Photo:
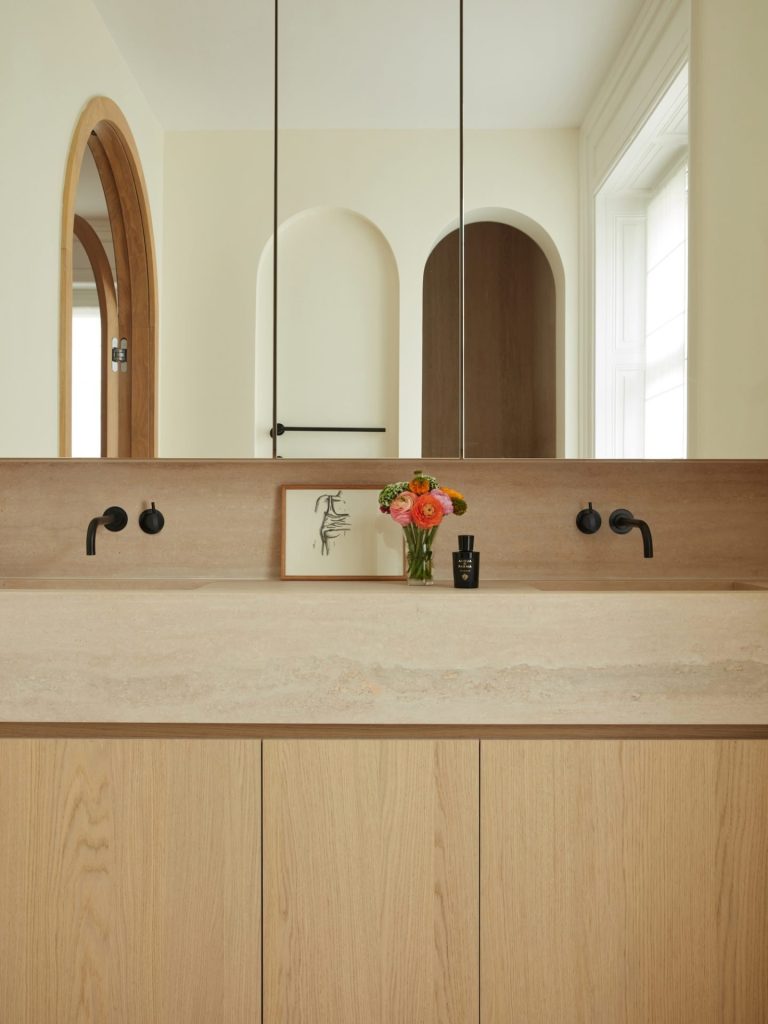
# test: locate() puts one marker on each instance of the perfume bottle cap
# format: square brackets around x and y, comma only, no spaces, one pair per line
[466,542]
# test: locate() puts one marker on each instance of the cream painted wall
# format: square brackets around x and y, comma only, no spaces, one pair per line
[218,223]
[54,56]
[728,355]
[339,320]
[217,220]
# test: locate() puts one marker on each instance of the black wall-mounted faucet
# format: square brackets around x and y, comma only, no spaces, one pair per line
[114,519]
[622,521]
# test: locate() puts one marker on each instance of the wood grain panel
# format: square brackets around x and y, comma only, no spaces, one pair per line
[129,881]
[256,730]
[370,881]
[521,512]
[441,352]
[624,881]
[509,347]
[119,388]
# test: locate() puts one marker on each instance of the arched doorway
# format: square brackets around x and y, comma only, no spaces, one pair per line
[128,381]
[510,343]
[338,338]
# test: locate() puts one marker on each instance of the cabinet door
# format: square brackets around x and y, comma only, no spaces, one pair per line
[370,882]
[129,881]
[624,882]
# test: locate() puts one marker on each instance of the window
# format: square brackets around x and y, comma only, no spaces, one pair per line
[641,291]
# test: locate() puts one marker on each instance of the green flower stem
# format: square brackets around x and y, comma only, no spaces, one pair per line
[419,544]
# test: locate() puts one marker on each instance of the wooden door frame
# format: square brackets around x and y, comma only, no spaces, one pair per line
[103,128]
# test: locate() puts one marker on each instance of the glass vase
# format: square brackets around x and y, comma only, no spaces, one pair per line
[418,544]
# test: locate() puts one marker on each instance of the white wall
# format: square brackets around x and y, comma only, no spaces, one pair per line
[54,56]
[217,220]
[728,353]
[218,223]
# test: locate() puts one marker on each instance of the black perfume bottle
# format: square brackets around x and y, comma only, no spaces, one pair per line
[466,563]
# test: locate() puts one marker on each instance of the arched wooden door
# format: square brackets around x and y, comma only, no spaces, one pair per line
[129,412]
[509,347]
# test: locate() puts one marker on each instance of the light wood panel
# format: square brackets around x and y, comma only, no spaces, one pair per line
[370,881]
[624,882]
[256,730]
[521,512]
[120,384]
[129,881]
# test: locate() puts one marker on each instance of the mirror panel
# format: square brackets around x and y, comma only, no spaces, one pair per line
[531,77]
[368,183]
[217,109]
[368,199]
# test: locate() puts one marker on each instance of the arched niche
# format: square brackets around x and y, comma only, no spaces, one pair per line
[513,341]
[103,129]
[337,337]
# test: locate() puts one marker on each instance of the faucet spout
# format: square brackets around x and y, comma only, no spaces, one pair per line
[114,519]
[90,536]
[622,521]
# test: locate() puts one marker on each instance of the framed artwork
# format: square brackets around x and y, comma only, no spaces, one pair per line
[338,533]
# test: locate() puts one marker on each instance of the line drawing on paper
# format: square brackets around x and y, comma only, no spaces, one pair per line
[335,522]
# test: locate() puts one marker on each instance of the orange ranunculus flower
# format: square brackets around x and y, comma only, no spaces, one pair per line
[427,512]
[452,494]
[419,485]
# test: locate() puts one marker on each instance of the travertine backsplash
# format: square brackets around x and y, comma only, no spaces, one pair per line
[709,519]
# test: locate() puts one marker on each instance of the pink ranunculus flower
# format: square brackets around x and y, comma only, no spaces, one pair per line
[444,500]
[401,508]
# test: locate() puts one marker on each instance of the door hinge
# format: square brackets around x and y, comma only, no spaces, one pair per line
[120,355]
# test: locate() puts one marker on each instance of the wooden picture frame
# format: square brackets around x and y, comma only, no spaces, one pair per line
[336,532]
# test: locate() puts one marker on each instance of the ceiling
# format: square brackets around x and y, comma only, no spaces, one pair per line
[360,64]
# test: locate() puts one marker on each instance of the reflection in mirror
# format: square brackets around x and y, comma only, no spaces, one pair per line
[368,182]
[531,71]
[338,336]
[94,314]
[555,93]
[105,194]
[641,250]
[509,347]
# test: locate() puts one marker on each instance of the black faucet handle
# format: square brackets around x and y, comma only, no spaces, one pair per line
[589,520]
[152,520]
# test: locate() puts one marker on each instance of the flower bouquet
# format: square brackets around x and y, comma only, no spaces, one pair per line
[419,506]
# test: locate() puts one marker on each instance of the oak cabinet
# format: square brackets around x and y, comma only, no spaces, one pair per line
[438,881]
[624,882]
[129,881]
[370,881]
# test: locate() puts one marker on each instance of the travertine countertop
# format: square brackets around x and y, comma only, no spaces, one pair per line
[382,653]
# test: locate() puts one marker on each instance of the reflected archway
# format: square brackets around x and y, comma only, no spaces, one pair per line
[338,337]
[510,346]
